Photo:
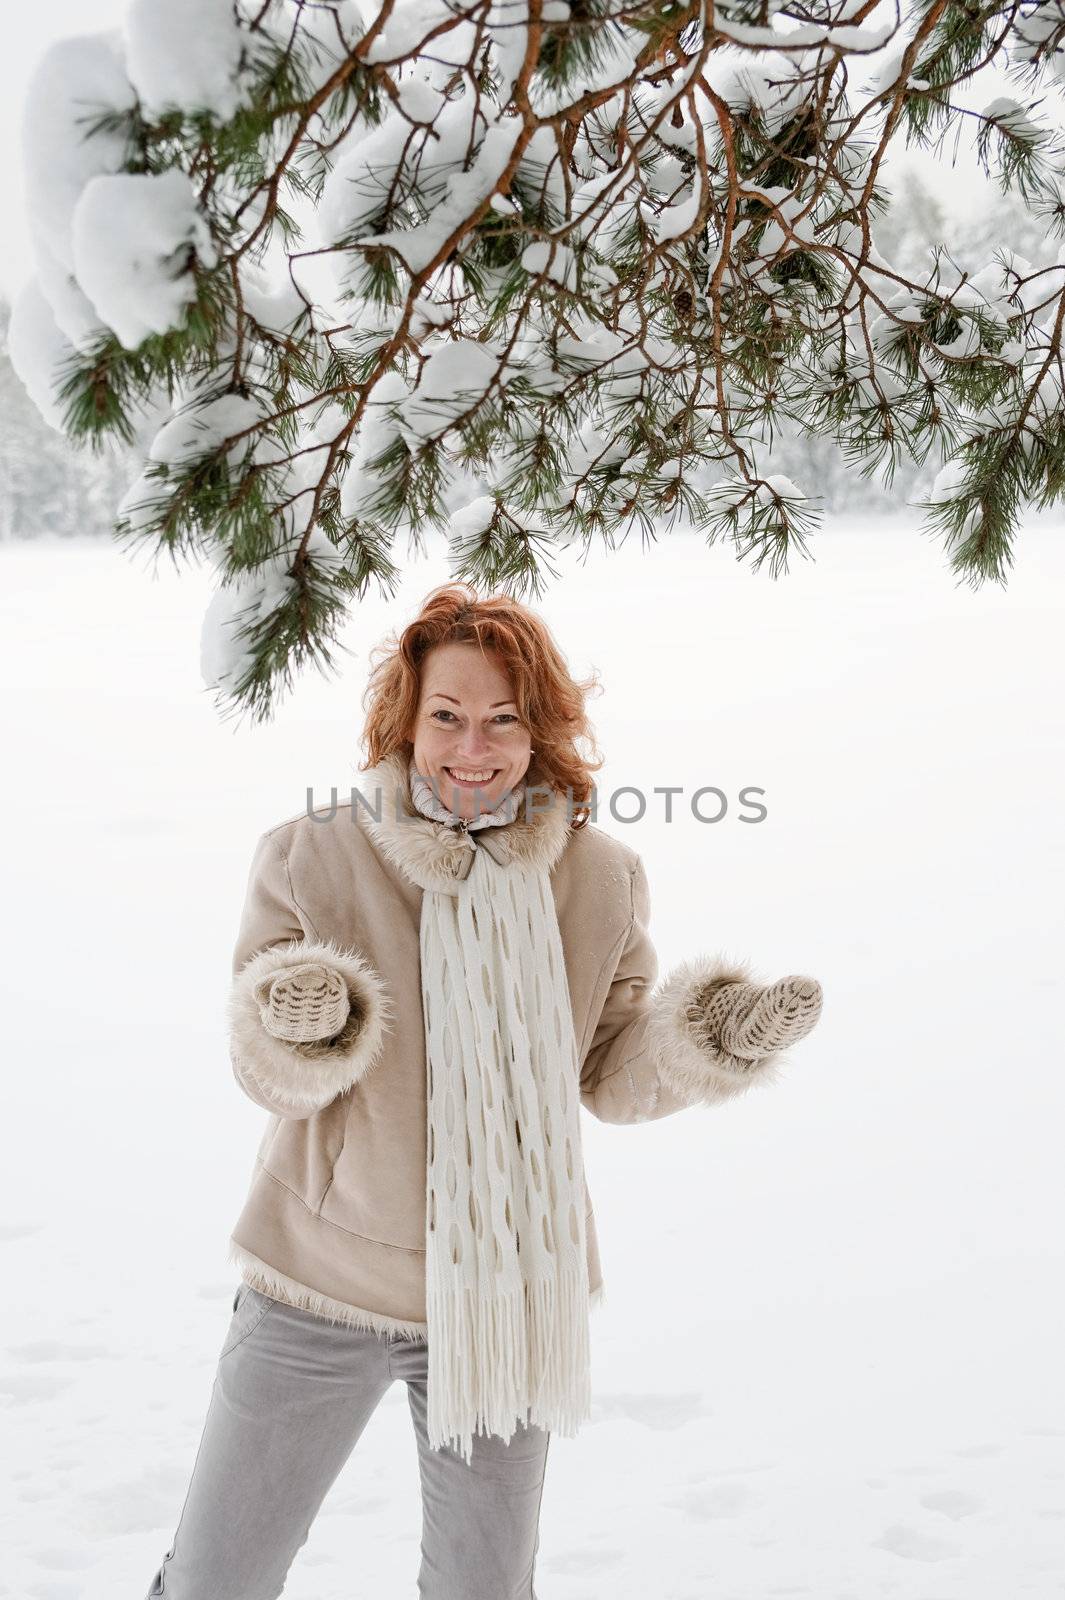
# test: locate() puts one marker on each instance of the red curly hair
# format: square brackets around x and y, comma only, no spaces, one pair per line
[550,701]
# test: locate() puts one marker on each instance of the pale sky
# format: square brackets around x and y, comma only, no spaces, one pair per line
[29,30]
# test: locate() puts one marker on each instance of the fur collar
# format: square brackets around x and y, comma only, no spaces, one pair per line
[435,856]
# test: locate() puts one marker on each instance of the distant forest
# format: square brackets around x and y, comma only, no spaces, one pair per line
[47,485]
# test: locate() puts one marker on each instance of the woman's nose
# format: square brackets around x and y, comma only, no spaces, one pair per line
[474,744]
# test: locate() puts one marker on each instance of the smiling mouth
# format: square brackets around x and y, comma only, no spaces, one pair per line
[473,783]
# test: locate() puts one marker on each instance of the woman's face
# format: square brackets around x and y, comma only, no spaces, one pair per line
[468,726]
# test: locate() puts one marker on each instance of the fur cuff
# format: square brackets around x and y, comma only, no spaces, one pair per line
[692,1066]
[308,1076]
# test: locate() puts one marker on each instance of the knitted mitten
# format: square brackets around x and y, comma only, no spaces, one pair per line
[743,1023]
[302,1003]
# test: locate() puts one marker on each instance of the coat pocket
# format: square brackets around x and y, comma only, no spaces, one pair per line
[249,1309]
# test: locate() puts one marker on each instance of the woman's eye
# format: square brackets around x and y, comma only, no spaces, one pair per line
[504,716]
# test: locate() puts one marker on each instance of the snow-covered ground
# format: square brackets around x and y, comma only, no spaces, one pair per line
[828,1364]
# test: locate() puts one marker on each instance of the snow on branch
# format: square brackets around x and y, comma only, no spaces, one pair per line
[530,273]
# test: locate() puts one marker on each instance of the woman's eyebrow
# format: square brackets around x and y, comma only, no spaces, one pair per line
[436,695]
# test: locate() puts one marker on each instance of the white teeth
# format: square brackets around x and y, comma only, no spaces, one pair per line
[468,777]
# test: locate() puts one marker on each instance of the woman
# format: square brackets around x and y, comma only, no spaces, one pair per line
[428,984]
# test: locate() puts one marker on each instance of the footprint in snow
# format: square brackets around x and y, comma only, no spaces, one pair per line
[953,1503]
[710,1504]
[66,1560]
[913,1544]
[40,1350]
[25,1387]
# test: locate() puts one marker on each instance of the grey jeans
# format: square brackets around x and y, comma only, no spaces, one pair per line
[291,1396]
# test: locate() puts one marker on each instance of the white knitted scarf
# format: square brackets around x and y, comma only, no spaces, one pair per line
[507,1299]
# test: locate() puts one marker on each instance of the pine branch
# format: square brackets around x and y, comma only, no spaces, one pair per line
[531,276]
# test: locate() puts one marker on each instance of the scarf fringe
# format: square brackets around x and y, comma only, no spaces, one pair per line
[260,1275]
[510,1355]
